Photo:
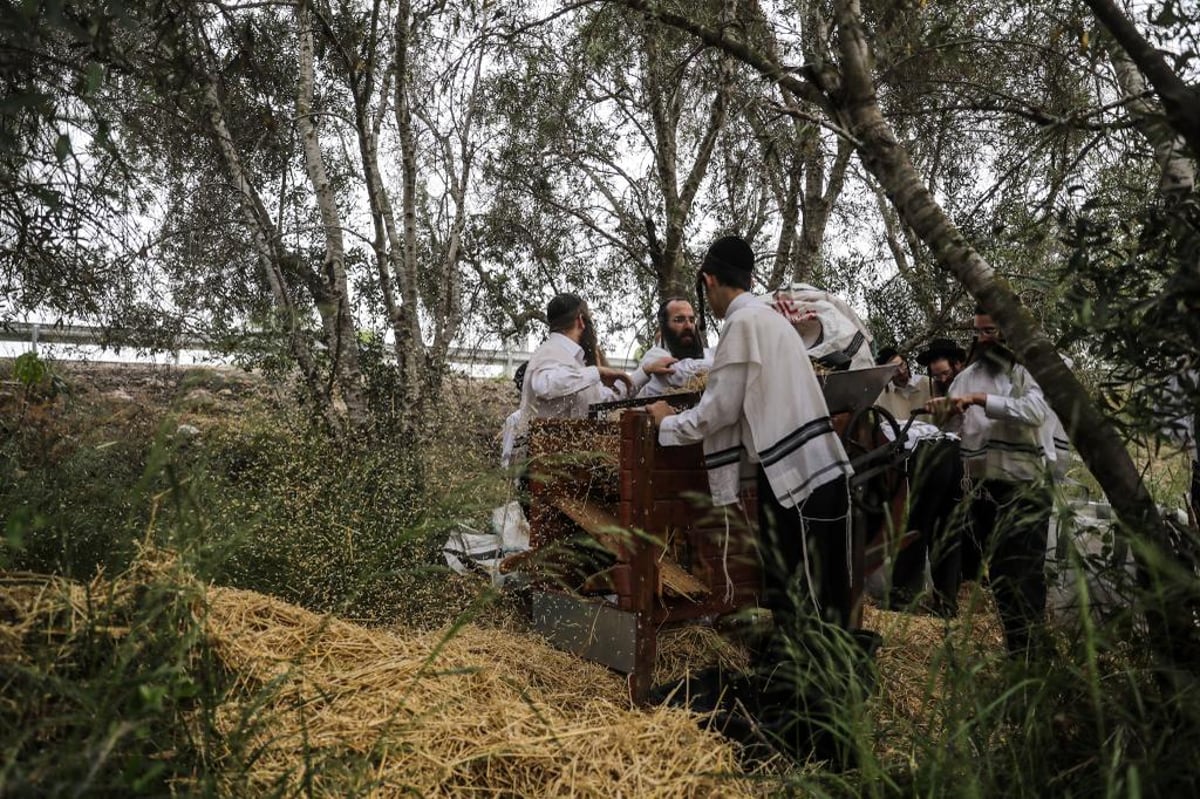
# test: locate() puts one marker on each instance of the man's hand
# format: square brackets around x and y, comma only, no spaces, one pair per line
[661,367]
[942,408]
[610,377]
[660,410]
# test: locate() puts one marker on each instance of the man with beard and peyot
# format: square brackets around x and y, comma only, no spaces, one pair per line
[679,357]
[568,372]
[943,359]
[997,409]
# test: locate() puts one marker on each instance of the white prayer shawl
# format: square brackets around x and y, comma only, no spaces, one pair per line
[1056,447]
[825,322]
[557,386]
[1002,439]
[682,371]
[762,404]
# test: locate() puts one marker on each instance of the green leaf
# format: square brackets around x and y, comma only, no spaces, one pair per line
[29,369]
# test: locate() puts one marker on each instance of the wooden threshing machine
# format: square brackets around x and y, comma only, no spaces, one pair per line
[625,540]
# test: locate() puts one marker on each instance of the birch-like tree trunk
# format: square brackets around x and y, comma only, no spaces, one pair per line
[665,100]
[330,290]
[268,250]
[1180,101]
[1178,170]
[410,347]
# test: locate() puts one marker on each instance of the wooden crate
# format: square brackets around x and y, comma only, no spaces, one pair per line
[659,549]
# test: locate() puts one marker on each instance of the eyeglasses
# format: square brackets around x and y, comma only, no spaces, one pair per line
[679,320]
[987,330]
[943,375]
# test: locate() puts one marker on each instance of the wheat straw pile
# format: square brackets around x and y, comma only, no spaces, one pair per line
[473,711]
[470,711]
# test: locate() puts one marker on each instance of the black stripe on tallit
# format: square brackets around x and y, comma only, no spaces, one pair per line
[794,440]
[723,458]
[855,344]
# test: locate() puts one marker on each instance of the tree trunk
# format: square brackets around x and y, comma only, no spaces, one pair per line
[1093,436]
[1178,169]
[665,112]
[1181,101]
[410,347]
[270,255]
[333,301]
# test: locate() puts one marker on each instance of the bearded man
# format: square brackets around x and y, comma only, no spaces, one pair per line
[567,373]
[997,409]
[943,359]
[679,357]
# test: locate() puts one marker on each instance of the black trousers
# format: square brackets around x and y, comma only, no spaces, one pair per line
[935,483]
[805,556]
[1008,528]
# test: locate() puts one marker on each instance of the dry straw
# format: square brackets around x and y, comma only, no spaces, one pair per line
[919,657]
[454,713]
[334,707]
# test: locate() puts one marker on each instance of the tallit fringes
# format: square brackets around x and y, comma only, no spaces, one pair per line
[725,557]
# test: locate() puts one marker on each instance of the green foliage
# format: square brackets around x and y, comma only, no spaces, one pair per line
[1097,719]
[330,530]
[124,697]
[37,376]
[115,693]
[1133,304]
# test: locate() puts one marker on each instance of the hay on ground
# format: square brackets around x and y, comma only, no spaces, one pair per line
[468,710]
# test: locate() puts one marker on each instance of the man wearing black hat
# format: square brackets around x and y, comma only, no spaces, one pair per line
[943,359]
[763,408]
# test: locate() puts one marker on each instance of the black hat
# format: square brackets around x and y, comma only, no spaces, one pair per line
[730,252]
[886,354]
[941,348]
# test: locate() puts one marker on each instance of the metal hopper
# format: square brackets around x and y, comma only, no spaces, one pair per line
[846,392]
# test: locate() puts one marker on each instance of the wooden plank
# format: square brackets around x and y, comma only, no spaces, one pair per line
[605,528]
[598,523]
[680,580]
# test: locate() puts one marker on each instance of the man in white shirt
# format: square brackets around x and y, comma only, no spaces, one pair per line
[564,375]
[509,432]
[763,409]
[998,409]
[679,358]
[904,393]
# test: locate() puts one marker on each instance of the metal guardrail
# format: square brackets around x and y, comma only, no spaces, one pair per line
[87,335]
